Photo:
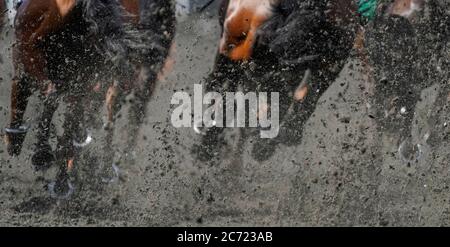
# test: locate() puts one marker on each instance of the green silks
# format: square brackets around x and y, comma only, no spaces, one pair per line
[367,8]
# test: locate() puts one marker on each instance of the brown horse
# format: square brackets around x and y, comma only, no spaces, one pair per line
[63,46]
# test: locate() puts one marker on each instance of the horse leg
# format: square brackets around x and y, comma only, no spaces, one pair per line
[223,79]
[294,118]
[16,132]
[66,151]
[43,157]
[143,92]
[110,170]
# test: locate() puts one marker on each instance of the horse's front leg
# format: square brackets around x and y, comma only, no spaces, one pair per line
[43,157]
[294,113]
[110,170]
[224,78]
[143,90]
[16,132]
[67,150]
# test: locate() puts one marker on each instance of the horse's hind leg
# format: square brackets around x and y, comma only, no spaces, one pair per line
[43,156]
[16,132]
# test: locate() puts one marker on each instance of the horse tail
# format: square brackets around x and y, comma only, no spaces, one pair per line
[106,29]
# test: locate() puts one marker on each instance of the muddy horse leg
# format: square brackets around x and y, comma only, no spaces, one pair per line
[43,157]
[66,151]
[16,132]
[143,92]
[224,78]
[294,118]
[109,170]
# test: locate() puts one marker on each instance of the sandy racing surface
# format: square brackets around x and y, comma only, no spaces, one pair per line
[344,173]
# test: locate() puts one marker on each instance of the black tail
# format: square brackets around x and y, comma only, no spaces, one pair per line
[126,45]
[107,30]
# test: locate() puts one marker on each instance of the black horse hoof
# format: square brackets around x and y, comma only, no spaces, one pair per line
[15,138]
[61,190]
[43,159]
[111,175]
[410,152]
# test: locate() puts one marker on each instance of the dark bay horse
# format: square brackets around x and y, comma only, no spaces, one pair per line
[158,18]
[63,46]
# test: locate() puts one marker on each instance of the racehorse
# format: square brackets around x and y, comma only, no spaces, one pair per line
[270,46]
[157,17]
[401,45]
[63,46]
[285,41]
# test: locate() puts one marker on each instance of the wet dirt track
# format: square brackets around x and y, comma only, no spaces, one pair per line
[343,173]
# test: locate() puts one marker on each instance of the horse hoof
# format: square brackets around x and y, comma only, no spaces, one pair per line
[61,190]
[202,130]
[20,130]
[410,152]
[84,143]
[14,139]
[43,159]
[112,175]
